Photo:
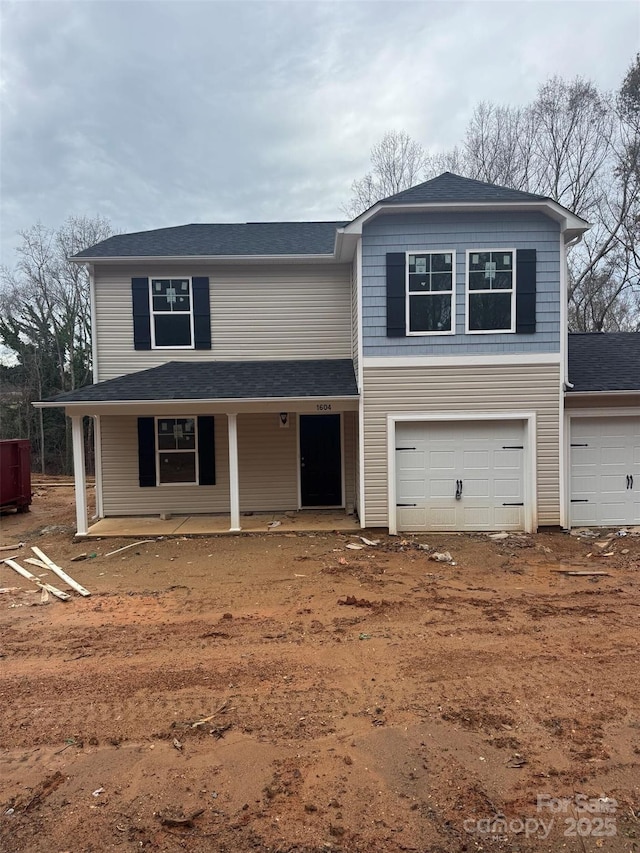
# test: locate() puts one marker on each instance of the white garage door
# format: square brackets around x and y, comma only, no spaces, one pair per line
[482,463]
[605,471]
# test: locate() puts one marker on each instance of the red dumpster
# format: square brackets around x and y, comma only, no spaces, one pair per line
[15,474]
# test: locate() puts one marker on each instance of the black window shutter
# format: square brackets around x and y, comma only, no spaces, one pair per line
[206,452]
[396,311]
[147,451]
[201,313]
[141,319]
[526,291]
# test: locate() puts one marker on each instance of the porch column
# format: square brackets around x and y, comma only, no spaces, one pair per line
[234,485]
[97,462]
[80,480]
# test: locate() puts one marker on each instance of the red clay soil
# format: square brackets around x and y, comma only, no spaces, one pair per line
[283,692]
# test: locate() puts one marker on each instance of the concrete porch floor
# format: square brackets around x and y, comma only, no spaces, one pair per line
[303,521]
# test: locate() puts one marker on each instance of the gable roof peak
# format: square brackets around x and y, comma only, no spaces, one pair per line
[449,187]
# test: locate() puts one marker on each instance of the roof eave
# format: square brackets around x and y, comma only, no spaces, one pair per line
[183,403]
[570,223]
[181,259]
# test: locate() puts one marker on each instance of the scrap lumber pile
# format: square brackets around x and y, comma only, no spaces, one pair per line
[43,562]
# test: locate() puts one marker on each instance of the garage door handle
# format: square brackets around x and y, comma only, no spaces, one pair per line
[631,478]
[458,489]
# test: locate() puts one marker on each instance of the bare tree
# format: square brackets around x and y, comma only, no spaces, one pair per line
[45,323]
[397,163]
[572,143]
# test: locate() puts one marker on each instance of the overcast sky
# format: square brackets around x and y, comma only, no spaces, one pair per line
[163,113]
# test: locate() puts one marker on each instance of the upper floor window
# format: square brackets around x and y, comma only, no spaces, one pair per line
[491,285]
[171,312]
[430,293]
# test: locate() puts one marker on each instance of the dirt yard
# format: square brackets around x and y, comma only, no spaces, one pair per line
[284,692]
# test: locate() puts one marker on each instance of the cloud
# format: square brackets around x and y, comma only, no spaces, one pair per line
[161,113]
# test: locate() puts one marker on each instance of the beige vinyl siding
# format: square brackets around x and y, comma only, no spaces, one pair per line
[350,448]
[122,494]
[267,461]
[397,390]
[258,311]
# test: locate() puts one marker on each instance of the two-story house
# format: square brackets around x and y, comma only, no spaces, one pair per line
[409,366]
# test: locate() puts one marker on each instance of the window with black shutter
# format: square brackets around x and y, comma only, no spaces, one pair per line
[176,450]
[171,313]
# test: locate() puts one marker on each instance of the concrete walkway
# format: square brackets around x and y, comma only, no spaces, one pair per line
[303,521]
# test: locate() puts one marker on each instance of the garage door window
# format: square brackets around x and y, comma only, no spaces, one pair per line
[491,284]
[430,293]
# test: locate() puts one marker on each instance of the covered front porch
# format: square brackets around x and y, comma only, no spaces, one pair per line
[212,447]
[301,521]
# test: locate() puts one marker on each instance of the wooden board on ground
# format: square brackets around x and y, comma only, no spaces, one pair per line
[580,574]
[125,547]
[63,596]
[59,572]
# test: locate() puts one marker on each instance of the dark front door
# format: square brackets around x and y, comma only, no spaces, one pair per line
[320,460]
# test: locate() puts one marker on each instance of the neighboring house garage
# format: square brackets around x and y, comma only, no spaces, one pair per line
[603,426]
[605,471]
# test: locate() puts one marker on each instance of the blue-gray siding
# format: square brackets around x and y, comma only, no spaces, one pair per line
[459,232]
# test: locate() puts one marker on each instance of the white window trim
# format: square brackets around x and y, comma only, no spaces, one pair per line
[153,314]
[196,449]
[407,295]
[467,292]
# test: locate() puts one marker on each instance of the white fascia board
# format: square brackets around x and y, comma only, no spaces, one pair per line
[206,259]
[465,360]
[569,222]
[231,402]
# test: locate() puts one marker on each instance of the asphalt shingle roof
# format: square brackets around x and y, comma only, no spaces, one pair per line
[604,361]
[249,238]
[449,187]
[223,380]
[288,238]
